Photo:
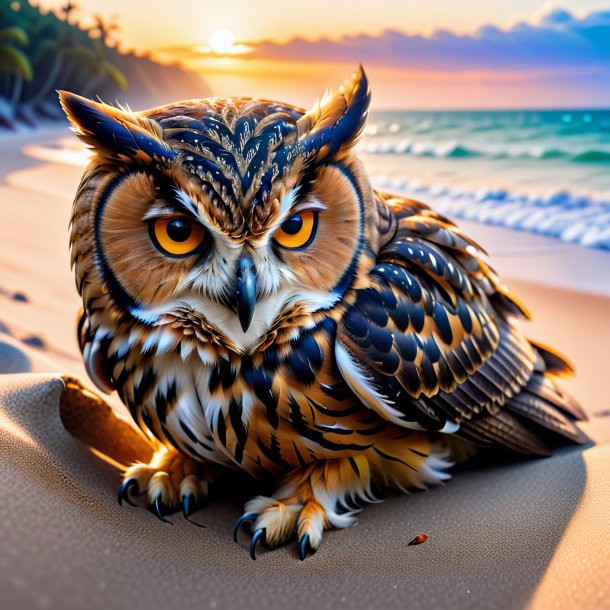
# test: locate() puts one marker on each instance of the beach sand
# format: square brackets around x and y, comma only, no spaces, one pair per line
[531,533]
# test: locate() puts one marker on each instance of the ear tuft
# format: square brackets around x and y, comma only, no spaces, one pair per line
[115,131]
[333,126]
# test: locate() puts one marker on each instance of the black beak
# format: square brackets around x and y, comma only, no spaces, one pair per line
[245,291]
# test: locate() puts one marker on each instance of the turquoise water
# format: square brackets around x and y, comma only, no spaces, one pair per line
[578,135]
[498,166]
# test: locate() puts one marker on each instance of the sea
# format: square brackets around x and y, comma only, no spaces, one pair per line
[546,172]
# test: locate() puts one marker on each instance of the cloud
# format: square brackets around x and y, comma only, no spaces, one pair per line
[558,41]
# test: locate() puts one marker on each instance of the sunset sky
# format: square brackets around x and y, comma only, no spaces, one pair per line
[434,54]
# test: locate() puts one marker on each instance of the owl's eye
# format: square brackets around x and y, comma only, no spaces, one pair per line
[176,236]
[297,231]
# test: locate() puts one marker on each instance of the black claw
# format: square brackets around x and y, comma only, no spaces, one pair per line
[189,507]
[258,534]
[124,491]
[157,508]
[304,546]
[243,519]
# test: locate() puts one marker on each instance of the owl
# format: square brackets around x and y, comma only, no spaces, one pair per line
[259,307]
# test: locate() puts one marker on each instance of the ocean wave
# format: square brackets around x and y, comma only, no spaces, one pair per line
[456,150]
[561,214]
[592,156]
[417,149]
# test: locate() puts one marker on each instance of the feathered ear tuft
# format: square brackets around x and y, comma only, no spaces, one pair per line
[334,124]
[115,131]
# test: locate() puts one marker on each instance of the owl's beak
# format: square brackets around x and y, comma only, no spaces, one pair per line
[245,291]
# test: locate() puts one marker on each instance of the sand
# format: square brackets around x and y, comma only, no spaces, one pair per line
[532,533]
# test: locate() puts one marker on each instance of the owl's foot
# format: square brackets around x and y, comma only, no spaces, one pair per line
[275,521]
[309,500]
[170,482]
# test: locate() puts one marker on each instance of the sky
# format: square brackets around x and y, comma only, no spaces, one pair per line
[418,55]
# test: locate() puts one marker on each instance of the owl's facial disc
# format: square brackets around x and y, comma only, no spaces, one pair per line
[160,253]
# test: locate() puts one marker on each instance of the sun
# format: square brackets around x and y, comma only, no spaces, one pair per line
[221,41]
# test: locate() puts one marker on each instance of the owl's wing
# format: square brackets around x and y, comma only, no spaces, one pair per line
[428,343]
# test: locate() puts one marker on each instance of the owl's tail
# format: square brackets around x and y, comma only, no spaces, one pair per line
[540,417]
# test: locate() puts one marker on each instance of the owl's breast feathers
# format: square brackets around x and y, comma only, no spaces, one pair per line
[422,341]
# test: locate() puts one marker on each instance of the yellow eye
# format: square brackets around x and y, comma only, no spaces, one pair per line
[297,231]
[176,236]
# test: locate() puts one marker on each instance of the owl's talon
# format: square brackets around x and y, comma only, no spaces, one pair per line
[157,509]
[124,491]
[258,534]
[189,506]
[305,546]
[243,519]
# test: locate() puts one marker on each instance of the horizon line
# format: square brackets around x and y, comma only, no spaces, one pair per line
[499,109]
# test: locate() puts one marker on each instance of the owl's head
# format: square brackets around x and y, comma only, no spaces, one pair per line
[236,221]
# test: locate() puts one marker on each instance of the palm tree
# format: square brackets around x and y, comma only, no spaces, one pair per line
[14,62]
[105,70]
[48,59]
[12,59]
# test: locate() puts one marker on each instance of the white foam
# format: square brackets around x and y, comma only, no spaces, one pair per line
[567,216]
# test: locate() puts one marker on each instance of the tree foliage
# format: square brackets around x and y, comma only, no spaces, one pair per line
[41,52]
